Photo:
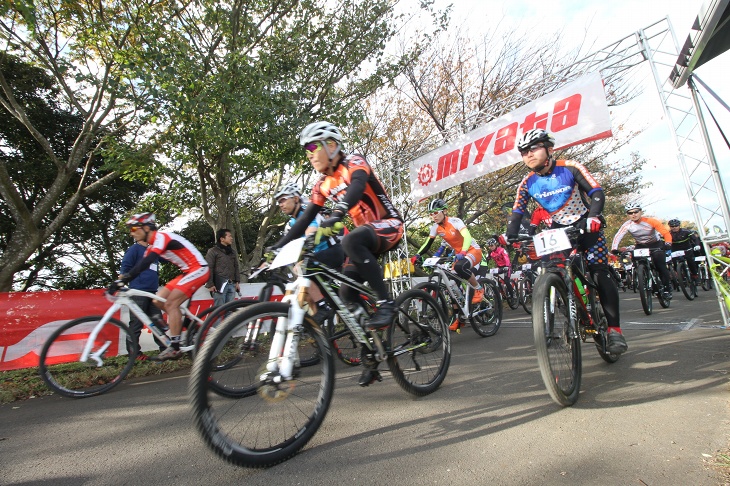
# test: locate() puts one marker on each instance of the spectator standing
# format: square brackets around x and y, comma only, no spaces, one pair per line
[224,280]
[147,281]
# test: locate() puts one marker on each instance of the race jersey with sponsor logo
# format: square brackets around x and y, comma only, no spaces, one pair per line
[644,232]
[450,230]
[177,250]
[374,205]
[564,192]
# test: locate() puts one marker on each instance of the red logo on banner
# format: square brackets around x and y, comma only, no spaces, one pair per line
[425,175]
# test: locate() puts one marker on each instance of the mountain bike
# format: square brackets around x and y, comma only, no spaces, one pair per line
[453,293]
[685,280]
[648,281]
[629,277]
[705,277]
[525,282]
[565,311]
[277,404]
[496,275]
[86,357]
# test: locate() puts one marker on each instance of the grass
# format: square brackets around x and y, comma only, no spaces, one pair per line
[27,383]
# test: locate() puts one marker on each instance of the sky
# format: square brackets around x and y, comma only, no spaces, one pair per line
[605,23]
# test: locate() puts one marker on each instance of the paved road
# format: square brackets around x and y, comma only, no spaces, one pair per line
[649,419]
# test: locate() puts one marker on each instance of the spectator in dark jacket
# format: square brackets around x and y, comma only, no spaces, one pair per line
[224,281]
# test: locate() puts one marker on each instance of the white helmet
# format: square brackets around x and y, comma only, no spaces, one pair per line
[289,189]
[632,205]
[537,135]
[319,132]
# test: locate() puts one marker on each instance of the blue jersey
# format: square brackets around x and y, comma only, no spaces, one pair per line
[564,192]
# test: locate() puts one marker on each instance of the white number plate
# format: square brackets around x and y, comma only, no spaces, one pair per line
[517,275]
[700,259]
[430,262]
[629,266]
[527,266]
[494,271]
[550,241]
[642,252]
[678,253]
[669,259]
[289,254]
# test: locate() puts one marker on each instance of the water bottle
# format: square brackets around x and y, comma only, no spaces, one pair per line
[455,289]
[581,291]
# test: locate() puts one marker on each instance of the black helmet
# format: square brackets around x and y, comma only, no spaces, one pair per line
[436,205]
[673,223]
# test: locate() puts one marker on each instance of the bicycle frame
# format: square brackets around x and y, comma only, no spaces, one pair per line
[123,299]
[280,364]
[442,274]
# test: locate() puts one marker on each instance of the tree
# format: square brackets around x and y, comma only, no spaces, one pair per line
[86,237]
[236,93]
[88,48]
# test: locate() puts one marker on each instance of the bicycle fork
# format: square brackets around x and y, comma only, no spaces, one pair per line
[284,353]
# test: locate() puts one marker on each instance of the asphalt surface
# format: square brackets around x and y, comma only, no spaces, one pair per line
[655,417]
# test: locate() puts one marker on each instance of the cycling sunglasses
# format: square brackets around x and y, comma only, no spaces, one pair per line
[635,211]
[134,228]
[313,146]
[532,148]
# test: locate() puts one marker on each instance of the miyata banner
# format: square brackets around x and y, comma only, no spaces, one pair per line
[576,113]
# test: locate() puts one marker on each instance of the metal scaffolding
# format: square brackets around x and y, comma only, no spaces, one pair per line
[617,62]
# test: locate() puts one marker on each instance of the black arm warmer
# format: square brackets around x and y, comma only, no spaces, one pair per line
[598,199]
[141,266]
[513,224]
[356,188]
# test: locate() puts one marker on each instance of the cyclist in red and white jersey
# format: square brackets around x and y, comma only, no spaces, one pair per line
[179,251]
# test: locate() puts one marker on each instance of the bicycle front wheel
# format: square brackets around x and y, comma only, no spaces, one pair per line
[487,315]
[419,346]
[105,368]
[265,423]
[644,288]
[705,279]
[688,285]
[558,347]
[525,294]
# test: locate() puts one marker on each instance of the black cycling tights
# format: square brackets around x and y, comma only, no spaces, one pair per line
[608,292]
[363,265]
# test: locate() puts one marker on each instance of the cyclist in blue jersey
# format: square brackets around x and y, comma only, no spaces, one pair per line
[572,197]
[328,251]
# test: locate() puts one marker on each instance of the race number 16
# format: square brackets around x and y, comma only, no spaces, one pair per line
[550,241]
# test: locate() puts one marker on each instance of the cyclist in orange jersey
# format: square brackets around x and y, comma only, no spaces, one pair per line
[456,235]
[351,184]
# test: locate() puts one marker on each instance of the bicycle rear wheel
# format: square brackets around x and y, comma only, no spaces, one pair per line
[558,350]
[347,348]
[59,364]
[266,423]
[418,343]
[487,316]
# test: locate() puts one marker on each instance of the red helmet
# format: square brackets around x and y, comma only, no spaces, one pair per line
[142,219]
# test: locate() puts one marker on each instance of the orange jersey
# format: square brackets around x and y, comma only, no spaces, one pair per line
[374,205]
[450,230]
